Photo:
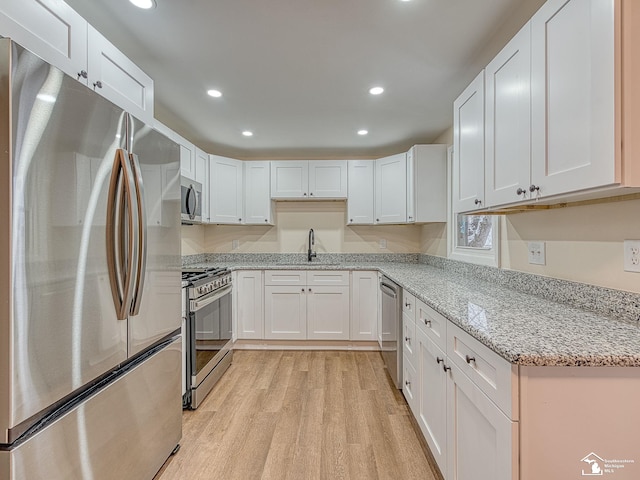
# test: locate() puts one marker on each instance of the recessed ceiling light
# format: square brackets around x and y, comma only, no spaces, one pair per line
[376,90]
[214,93]
[146,4]
[363,132]
[247,133]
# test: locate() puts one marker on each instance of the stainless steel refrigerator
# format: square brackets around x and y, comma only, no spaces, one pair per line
[90,314]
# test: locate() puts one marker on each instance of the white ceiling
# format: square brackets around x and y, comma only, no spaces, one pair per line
[297,72]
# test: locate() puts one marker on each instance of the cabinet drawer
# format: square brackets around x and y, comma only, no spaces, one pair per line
[494,375]
[409,341]
[409,304]
[432,324]
[285,277]
[328,277]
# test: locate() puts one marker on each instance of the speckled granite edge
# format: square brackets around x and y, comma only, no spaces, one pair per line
[298,258]
[606,301]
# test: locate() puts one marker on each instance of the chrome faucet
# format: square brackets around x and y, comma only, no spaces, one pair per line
[310,253]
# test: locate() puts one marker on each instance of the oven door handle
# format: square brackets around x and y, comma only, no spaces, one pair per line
[203,302]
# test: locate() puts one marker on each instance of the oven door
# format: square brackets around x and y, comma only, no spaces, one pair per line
[210,332]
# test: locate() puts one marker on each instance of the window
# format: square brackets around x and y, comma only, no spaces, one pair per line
[471,238]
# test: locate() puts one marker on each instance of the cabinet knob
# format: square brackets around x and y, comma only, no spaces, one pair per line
[377,219]
[477,201]
[520,191]
[427,322]
[469,359]
[311,193]
[407,383]
[97,84]
[303,289]
[406,339]
[407,304]
[309,290]
[239,219]
[82,74]
[445,368]
[351,219]
[266,221]
[534,188]
[440,360]
[410,218]
[305,194]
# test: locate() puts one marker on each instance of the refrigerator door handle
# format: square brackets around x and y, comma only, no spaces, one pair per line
[119,234]
[141,260]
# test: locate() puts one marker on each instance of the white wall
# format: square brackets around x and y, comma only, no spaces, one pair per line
[290,234]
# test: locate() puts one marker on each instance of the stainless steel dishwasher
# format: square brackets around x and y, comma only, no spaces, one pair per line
[389,339]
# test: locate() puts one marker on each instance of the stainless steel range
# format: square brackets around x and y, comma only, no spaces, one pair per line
[209,331]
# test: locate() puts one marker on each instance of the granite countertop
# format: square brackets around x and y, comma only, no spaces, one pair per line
[524,329]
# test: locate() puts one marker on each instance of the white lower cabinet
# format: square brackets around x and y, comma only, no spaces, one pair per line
[431,411]
[472,435]
[285,312]
[482,442]
[364,306]
[328,313]
[248,289]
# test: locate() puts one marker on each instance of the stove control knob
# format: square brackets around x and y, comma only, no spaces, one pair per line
[200,290]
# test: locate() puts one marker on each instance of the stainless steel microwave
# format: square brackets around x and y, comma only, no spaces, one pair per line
[191,201]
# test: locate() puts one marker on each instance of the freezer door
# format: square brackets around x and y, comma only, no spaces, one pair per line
[63,330]
[156,310]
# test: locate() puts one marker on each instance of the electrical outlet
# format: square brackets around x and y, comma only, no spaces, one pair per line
[235,244]
[383,243]
[632,255]
[536,253]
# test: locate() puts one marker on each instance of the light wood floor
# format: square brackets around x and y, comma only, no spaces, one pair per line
[301,415]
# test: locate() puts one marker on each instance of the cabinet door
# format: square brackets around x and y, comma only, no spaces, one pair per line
[360,200]
[468,147]
[427,184]
[257,189]
[573,100]
[51,29]
[118,79]
[328,178]
[188,161]
[364,305]
[432,397]
[508,122]
[248,288]
[482,443]
[202,176]
[411,190]
[290,179]
[225,184]
[391,189]
[285,312]
[410,384]
[328,313]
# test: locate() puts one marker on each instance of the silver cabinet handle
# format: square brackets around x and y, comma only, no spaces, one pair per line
[534,188]
[82,74]
[520,191]
[97,84]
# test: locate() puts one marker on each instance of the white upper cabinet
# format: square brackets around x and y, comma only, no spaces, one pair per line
[49,28]
[328,178]
[360,202]
[305,179]
[508,122]
[468,147]
[290,179]
[55,32]
[427,184]
[257,193]
[202,176]
[391,189]
[118,79]
[225,183]
[187,150]
[573,98]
